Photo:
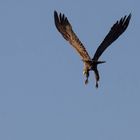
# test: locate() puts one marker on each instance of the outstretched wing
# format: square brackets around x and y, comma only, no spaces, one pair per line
[65,28]
[117,29]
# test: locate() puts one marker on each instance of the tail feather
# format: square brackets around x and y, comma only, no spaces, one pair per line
[100,62]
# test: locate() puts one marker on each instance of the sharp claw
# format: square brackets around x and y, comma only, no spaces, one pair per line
[86,81]
[96,84]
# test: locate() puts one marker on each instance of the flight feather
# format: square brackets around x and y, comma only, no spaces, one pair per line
[116,30]
[65,28]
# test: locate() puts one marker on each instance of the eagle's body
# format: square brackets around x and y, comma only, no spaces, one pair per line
[65,28]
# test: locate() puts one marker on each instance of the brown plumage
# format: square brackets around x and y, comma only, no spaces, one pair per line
[65,28]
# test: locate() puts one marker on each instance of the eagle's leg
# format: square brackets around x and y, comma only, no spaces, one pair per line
[96,84]
[86,73]
[97,77]
[86,81]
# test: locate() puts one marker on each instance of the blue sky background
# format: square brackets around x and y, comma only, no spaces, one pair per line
[42,91]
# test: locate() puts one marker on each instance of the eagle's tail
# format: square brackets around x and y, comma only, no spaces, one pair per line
[100,62]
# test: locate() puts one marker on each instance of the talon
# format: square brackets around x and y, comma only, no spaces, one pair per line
[86,81]
[96,84]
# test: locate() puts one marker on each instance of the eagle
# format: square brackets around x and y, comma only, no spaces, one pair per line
[90,64]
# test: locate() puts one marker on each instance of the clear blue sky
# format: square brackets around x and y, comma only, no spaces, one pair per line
[42,91]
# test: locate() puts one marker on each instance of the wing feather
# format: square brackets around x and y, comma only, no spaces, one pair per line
[117,29]
[65,28]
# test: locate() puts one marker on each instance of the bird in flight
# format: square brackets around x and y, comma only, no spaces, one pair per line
[90,64]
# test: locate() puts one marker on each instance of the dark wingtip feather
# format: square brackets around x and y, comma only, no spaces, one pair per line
[126,22]
[129,17]
[60,16]
[56,20]
[60,19]
[122,21]
[55,12]
[55,15]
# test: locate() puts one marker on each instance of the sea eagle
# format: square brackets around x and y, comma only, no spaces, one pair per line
[90,64]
